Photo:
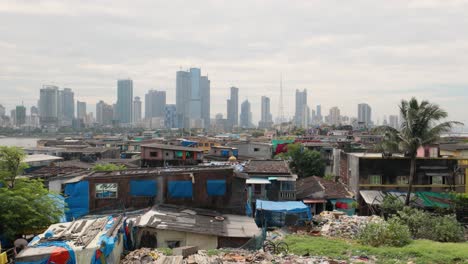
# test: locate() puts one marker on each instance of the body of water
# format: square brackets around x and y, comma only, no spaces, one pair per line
[18,141]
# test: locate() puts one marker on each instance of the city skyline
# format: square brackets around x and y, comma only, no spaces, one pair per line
[353,60]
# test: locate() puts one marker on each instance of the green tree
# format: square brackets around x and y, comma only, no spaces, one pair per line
[26,205]
[304,162]
[108,167]
[11,164]
[421,125]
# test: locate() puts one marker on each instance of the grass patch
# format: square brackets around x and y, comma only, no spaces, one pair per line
[419,251]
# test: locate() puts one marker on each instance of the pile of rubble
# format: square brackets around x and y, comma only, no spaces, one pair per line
[146,256]
[343,226]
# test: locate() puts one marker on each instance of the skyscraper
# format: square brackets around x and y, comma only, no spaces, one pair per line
[170,119]
[80,110]
[365,114]
[233,108]
[192,99]
[124,105]
[136,110]
[393,121]
[335,117]
[266,120]
[49,105]
[301,101]
[67,106]
[104,113]
[2,110]
[305,117]
[34,110]
[246,115]
[318,115]
[20,113]
[155,103]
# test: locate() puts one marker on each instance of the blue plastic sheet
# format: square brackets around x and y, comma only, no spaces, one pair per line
[71,260]
[216,187]
[271,214]
[225,153]
[41,261]
[235,152]
[77,199]
[180,189]
[143,187]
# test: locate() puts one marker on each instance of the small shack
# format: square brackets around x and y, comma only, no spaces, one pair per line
[279,214]
[82,241]
[177,226]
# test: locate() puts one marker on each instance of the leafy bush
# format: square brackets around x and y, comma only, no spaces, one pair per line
[391,204]
[108,167]
[423,225]
[390,233]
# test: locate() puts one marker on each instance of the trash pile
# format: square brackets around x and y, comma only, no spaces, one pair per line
[343,226]
[146,256]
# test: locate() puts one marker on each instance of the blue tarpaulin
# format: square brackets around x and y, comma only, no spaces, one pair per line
[225,153]
[77,199]
[188,143]
[274,213]
[143,187]
[216,187]
[180,189]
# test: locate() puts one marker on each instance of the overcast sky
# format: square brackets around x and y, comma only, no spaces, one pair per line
[342,52]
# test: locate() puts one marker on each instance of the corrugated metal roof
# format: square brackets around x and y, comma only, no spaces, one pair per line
[257,181]
[372,197]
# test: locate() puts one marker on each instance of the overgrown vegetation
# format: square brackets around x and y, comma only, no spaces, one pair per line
[26,206]
[419,251]
[423,225]
[303,161]
[389,233]
[108,167]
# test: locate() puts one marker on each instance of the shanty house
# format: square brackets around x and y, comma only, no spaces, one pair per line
[174,226]
[161,155]
[321,194]
[269,180]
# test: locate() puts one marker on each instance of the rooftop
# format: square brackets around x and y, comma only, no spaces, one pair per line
[267,166]
[40,157]
[199,221]
[171,147]
[317,187]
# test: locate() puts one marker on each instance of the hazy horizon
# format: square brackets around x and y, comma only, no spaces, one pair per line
[343,53]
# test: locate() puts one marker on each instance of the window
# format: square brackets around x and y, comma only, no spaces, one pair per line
[257,189]
[153,154]
[437,180]
[256,149]
[375,179]
[207,144]
[211,144]
[402,180]
[106,190]
[173,243]
[287,186]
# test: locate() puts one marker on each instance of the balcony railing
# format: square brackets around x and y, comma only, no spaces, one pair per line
[287,195]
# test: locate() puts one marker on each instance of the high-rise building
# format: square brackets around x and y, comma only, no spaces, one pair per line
[34,110]
[124,105]
[2,110]
[49,105]
[301,101]
[66,106]
[170,117]
[104,113]
[246,115]
[137,109]
[81,110]
[13,117]
[233,108]
[266,120]
[393,121]
[192,99]
[155,103]
[20,114]
[305,117]
[318,114]
[334,117]
[365,114]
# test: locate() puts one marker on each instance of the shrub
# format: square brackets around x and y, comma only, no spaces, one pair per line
[390,233]
[423,225]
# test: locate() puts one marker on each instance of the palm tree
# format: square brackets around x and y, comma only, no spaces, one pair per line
[421,125]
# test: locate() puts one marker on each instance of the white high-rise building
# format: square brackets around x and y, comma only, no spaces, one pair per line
[334,118]
[136,110]
[301,100]
[266,120]
[393,121]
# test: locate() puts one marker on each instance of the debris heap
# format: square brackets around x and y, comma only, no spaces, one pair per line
[344,226]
